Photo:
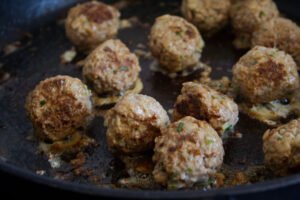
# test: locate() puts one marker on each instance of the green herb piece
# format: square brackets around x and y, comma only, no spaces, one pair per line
[262,13]
[189,171]
[227,127]
[209,141]
[279,137]
[174,175]
[124,68]
[178,33]
[180,127]
[42,103]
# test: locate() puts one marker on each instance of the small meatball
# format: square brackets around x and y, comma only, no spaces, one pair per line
[133,124]
[282,148]
[187,152]
[208,15]
[111,68]
[176,43]
[247,15]
[265,74]
[59,107]
[204,103]
[89,24]
[280,33]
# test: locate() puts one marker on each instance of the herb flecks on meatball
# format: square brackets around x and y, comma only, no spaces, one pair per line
[58,107]
[247,15]
[204,103]
[281,33]
[282,147]
[176,43]
[89,24]
[208,15]
[133,124]
[265,74]
[187,152]
[111,68]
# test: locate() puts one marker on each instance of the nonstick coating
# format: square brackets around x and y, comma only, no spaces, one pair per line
[41,59]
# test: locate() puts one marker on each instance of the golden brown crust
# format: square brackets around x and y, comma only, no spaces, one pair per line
[204,103]
[133,123]
[176,43]
[247,15]
[281,148]
[111,68]
[58,107]
[208,15]
[280,33]
[91,23]
[186,153]
[265,74]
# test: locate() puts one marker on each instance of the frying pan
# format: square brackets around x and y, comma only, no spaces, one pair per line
[39,58]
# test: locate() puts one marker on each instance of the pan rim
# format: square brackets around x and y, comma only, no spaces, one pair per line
[147,194]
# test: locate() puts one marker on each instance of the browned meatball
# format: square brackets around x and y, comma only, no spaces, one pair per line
[59,106]
[282,148]
[280,33]
[208,15]
[187,152]
[91,23]
[247,15]
[265,74]
[176,43]
[133,123]
[111,68]
[204,103]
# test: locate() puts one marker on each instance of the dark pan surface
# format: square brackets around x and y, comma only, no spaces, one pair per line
[41,59]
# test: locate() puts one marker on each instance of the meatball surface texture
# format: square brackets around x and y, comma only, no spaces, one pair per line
[282,148]
[175,42]
[281,33]
[204,103]
[111,68]
[133,124]
[59,106]
[247,15]
[187,152]
[91,23]
[265,74]
[208,15]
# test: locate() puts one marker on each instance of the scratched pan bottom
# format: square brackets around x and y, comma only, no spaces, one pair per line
[41,59]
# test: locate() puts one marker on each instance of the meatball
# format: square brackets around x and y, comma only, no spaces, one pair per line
[247,15]
[282,148]
[208,15]
[133,124]
[111,68]
[204,103]
[280,33]
[265,74]
[89,24]
[59,107]
[176,43]
[188,151]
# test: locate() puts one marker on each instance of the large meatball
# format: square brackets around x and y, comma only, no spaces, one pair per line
[91,23]
[111,68]
[247,15]
[176,43]
[208,15]
[58,107]
[282,147]
[265,74]
[204,103]
[188,151]
[280,33]
[133,124]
